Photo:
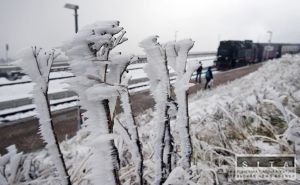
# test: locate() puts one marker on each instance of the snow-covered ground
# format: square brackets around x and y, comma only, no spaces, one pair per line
[20,91]
[258,113]
[13,92]
[25,78]
[135,70]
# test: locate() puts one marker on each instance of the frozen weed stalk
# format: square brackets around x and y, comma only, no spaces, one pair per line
[159,57]
[98,84]
[177,53]
[37,62]
[157,71]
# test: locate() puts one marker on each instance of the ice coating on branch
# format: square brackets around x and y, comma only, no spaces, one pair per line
[117,67]
[149,42]
[157,72]
[37,63]
[244,99]
[97,82]
[132,136]
[97,40]
[10,171]
[156,68]
[177,53]
[177,177]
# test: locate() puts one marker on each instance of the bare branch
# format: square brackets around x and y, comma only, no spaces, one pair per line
[124,129]
[35,55]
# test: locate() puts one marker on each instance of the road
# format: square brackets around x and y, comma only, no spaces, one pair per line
[23,132]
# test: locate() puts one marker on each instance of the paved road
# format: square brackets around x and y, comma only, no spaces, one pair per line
[23,132]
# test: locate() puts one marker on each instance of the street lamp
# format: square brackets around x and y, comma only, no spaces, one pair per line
[269,47]
[271,33]
[75,8]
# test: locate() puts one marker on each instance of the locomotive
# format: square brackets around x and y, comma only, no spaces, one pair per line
[234,53]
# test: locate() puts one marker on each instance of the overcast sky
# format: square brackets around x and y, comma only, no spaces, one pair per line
[46,23]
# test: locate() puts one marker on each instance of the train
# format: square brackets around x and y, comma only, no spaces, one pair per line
[10,72]
[235,53]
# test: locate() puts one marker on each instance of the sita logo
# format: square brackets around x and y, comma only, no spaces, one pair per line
[270,161]
[265,167]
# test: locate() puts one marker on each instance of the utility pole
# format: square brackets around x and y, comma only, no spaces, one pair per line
[270,37]
[75,8]
[175,35]
[6,52]
[269,48]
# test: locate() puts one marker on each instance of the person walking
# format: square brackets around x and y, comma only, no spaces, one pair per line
[209,78]
[199,72]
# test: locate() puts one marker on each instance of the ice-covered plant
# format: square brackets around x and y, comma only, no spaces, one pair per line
[35,168]
[36,62]
[9,166]
[130,131]
[177,53]
[158,74]
[98,83]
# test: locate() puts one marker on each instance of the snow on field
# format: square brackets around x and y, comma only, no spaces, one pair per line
[135,70]
[13,92]
[4,81]
[19,91]
[258,113]
[25,78]
[6,120]
[61,74]
[206,61]
[255,114]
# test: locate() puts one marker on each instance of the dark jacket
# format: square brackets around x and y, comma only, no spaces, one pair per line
[209,74]
[199,70]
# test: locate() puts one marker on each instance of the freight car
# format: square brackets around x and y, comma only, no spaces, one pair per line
[234,53]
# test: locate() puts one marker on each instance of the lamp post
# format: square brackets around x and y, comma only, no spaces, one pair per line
[6,52]
[269,47]
[75,8]
[175,35]
[270,38]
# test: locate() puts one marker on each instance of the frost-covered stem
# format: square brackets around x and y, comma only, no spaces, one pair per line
[183,121]
[134,135]
[37,64]
[168,136]
[54,147]
[168,148]
[110,123]
[114,154]
[94,43]
[162,119]
[160,145]
[177,57]
[156,70]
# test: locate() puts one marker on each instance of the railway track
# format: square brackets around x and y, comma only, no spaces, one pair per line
[71,98]
[13,108]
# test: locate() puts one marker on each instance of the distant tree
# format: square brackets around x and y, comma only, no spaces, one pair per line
[37,63]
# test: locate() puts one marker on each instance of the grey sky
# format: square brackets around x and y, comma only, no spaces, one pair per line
[46,23]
